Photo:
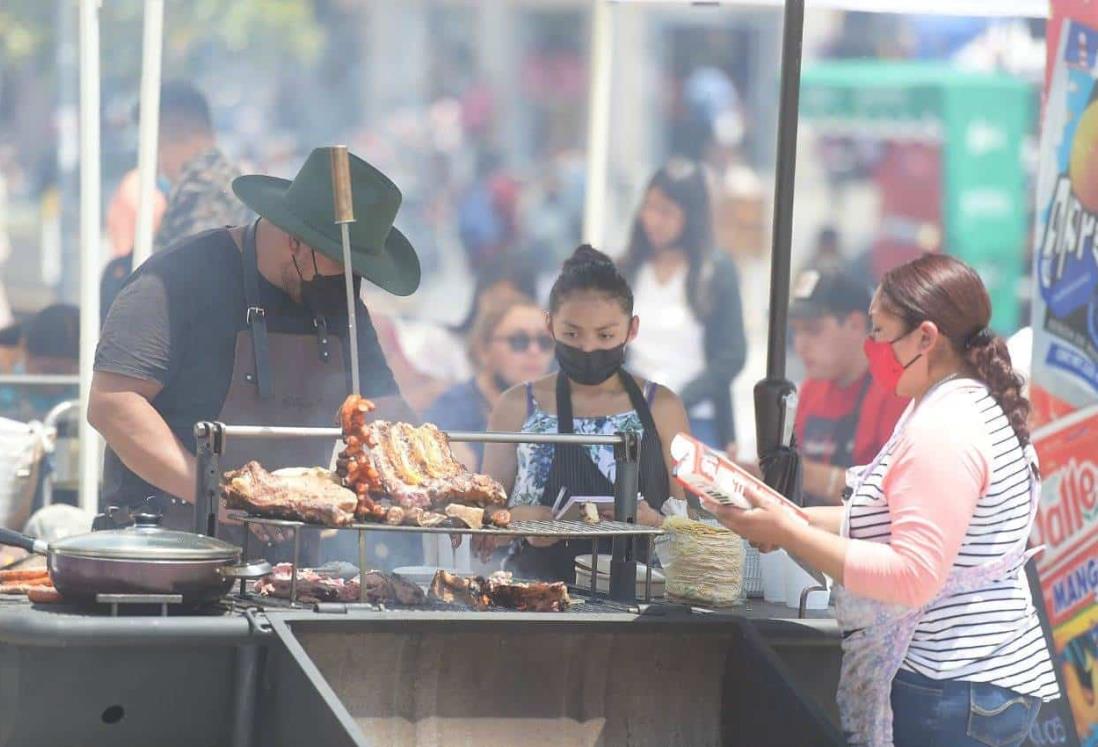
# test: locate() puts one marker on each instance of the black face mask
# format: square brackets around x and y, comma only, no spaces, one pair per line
[589,367]
[326,295]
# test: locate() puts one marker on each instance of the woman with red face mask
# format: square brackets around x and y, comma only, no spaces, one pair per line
[941,642]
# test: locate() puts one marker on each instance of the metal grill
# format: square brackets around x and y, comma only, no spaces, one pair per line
[581,604]
[561,529]
[210,440]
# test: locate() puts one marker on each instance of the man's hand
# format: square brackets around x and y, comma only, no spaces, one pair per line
[268,535]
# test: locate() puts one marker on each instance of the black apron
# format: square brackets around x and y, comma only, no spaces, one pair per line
[573,470]
[278,379]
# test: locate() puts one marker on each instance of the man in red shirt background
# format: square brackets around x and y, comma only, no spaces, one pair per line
[843,416]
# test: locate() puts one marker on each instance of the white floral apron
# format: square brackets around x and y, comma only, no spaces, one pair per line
[877,634]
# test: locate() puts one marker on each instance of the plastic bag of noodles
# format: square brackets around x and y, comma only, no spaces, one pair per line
[707,563]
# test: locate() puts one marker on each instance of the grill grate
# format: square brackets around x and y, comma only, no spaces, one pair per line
[561,529]
[581,604]
[516,529]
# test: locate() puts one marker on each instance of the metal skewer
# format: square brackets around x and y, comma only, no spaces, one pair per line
[345,216]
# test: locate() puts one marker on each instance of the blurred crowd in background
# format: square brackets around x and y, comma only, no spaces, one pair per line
[478,111]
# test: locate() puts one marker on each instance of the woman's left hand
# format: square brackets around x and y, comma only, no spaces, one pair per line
[766,524]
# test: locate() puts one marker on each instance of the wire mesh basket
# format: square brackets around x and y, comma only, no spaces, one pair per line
[752,572]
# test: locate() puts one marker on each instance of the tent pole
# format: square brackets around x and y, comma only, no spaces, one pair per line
[773,395]
[148,128]
[598,122]
[781,248]
[90,242]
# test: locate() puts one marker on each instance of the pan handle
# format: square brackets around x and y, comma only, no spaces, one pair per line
[30,544]
[246,571]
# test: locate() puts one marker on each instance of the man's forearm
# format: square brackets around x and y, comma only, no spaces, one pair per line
[143,441]
[824,481]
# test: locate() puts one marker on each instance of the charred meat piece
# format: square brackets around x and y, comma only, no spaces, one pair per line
[591,513]
[467,515]
[310,495]
[390,588]
[500,517]
[449,588]
[312,586]
[536,596]
[431,519]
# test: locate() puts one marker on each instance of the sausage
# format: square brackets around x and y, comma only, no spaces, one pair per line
[23,574]
[43,595]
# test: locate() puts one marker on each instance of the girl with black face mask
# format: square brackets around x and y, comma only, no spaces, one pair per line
[591,321]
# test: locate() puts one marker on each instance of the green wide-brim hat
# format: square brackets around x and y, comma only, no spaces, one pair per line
[304,208]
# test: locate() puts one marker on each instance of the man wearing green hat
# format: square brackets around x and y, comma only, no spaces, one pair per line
[246,325]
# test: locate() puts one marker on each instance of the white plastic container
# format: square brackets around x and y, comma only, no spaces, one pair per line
[772,567]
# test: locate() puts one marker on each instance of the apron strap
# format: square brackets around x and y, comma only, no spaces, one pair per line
[256,316]
[565,421]
[655,485]
[639,401]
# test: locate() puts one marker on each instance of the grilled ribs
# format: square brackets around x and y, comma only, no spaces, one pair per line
[414,467]
[311,495]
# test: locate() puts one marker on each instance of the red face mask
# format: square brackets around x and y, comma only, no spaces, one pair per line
[884,366]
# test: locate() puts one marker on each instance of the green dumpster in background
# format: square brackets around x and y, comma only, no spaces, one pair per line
[974,126]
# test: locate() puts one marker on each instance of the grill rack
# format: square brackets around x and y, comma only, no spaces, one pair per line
[558,529]
[210,438]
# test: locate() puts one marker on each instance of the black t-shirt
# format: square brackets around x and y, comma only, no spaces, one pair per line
[176,322]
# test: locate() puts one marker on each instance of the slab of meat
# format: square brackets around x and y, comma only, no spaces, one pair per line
[314,585]
[310,495]
[498,591]
[536,596]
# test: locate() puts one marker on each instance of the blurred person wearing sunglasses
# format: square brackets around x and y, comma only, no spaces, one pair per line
[508,345]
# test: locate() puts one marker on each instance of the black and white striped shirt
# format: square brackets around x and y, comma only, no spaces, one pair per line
[992,634]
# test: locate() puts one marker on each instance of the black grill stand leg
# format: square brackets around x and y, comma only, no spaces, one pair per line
[623,563]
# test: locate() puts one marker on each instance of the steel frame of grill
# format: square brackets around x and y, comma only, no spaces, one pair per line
[211,437]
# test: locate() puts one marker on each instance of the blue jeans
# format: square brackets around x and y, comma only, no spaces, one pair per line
[951,713]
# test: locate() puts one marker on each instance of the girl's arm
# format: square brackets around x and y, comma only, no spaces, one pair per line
[671,420]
